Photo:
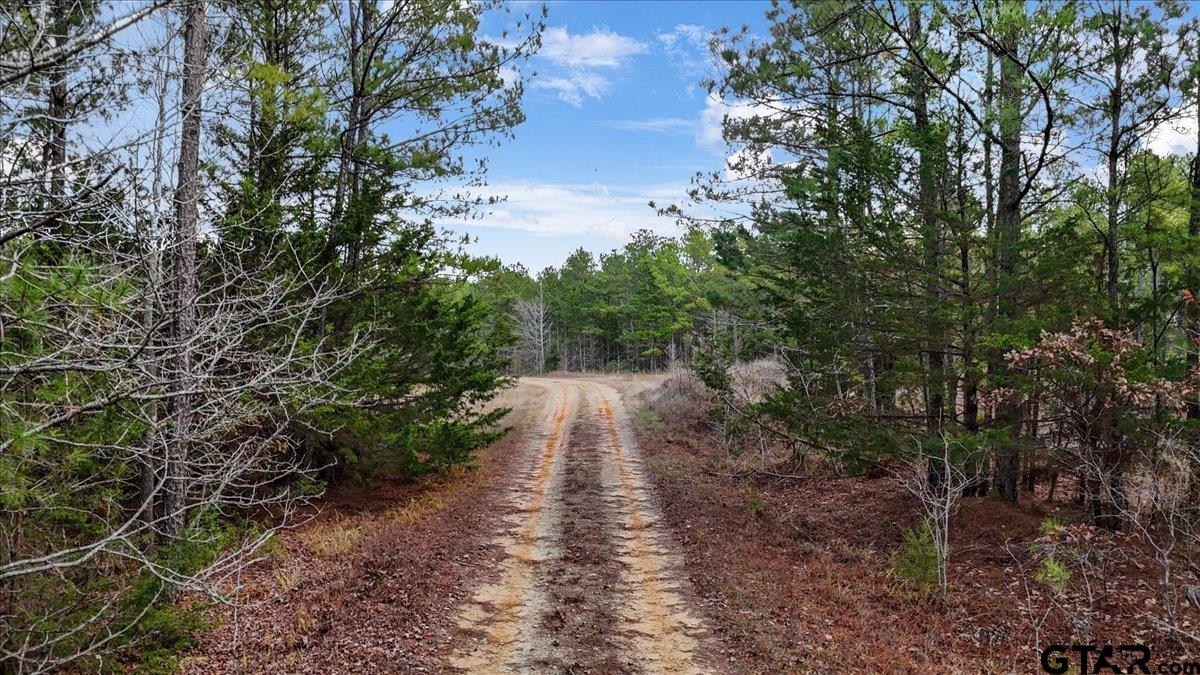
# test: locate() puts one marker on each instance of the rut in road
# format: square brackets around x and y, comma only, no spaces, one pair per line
[588,582]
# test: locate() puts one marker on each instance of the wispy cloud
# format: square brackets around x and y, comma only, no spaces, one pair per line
[1175,138]
[712,119]
[686,46]
[656,125]
[551,209]
[572,87]
[577,64]
[601,48]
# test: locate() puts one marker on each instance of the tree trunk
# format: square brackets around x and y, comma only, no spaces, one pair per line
[54,149]
[1008,226]
[1191,310]
[183,296]
[1113,197]
[989,196]
[935,384]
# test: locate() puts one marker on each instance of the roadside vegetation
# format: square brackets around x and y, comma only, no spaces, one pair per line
[222,289]
[930,344]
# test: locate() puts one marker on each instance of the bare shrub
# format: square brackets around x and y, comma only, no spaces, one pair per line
[935,476]
[1162,508]
[752,382]
[682,396]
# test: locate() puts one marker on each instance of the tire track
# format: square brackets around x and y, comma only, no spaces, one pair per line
[589,583]
[585,577]
[511,609]
[666,633]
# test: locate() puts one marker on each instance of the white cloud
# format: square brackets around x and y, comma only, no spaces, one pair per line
[712,119]
[509,75]
[657,125]
[686,46]
[708,131]
[744,165]
[572,87]
[576,64]
[683,36]
[601,48]
[1175,138]
[550,209]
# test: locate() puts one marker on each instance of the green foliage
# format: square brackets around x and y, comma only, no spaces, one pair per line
[643,306]
[1050,524]
[436,358]
[758,507]
[878,256]
[1053,573]
[413,399]
[917,561]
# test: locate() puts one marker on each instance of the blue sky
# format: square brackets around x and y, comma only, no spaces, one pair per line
[615,118]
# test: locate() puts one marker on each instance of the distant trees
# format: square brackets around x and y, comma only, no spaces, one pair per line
[641,307]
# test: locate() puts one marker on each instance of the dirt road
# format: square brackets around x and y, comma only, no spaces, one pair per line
[588,581]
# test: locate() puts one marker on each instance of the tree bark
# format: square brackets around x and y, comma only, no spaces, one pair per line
[935,385]
[989,194]
[183,278]
[1113,197]
[54,146]
[1191,310]
[1008,226]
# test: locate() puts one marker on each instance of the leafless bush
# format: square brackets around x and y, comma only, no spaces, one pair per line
[682,396]
[751,438]
[752,382]
[935,476]
[1161,507]
[99,504]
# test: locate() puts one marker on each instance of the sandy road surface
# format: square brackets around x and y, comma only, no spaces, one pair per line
[588,581]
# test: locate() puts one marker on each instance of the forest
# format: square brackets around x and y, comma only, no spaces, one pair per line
[946,283]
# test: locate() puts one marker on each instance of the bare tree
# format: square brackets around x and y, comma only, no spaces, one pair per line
[937,479]
[533,330]
[34,48]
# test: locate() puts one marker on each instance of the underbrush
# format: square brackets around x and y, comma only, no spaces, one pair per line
[850,561]
[917,561]
[121,611]
[682,397]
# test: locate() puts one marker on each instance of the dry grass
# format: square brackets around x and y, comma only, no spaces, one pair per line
[682,396]
[754,381]
[335,538]
[288,579]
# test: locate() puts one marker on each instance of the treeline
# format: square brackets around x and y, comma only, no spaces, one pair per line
[646,306]
[967,232]
[221,287]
